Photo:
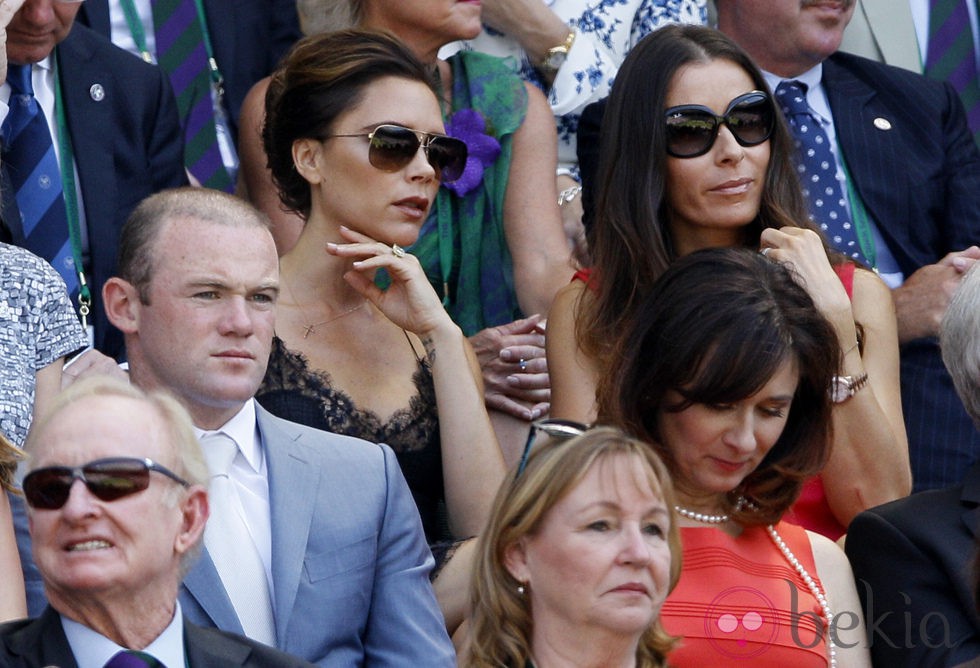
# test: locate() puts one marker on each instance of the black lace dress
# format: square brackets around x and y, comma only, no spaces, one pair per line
[297,393]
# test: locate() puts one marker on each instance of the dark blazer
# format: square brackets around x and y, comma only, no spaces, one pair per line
[249,39]
[913,562]
[920,181]
[35,643]
[127,145]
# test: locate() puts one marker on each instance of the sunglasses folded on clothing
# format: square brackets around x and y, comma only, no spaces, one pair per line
[108,479]
[693,128]
[392,147]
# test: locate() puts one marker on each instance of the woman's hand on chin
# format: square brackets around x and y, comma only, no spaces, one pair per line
[409,302]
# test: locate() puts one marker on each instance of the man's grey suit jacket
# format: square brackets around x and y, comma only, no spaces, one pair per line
[350,564]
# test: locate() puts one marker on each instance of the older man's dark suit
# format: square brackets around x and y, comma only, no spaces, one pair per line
[125,134]
[249,38]
[42,642]
[913,561]
[920,180]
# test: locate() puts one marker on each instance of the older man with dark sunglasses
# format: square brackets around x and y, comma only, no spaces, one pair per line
[118,503]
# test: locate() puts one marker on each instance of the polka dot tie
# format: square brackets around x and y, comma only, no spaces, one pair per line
[818,170]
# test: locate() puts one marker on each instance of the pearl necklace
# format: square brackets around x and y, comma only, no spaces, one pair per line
[740,502]
[812,586]
[701,517]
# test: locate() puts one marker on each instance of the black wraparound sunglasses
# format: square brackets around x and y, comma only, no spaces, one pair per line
[392,147]
[692,128]
[108,479]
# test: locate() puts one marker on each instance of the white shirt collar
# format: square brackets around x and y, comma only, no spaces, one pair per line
[242,429]
[816,97]
[92,649]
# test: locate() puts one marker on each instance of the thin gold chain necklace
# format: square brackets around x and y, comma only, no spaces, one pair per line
[310,328]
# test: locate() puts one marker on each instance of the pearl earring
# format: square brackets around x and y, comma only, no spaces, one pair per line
[520,589]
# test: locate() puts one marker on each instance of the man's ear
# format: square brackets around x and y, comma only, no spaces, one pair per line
[306,157]
[122,304]
[195,510]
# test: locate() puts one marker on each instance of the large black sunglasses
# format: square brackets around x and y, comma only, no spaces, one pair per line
[108,479]
[391,147]
[692,128]
[553,428]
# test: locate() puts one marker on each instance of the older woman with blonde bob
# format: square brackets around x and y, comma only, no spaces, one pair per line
[580,553]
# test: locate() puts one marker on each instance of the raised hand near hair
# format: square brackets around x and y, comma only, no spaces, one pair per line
[409,302]
[7,10]
[804,251]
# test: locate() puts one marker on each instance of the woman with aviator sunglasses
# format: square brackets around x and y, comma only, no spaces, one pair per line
[493,245]
[356,145]
[693,155]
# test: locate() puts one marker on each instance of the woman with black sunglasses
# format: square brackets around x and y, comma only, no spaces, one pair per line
[694,155]
[356,145]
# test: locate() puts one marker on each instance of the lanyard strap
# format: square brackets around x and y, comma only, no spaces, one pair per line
[139,36]
[859,215]
[66,166]
[444,214]
[136,28]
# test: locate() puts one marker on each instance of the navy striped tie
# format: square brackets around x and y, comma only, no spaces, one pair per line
[30,161]
[951,55]
[182,55]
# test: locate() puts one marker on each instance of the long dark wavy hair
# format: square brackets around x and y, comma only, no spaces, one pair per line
[715,329]
[630,241]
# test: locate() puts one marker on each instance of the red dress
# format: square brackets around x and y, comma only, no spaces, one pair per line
[739,602]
